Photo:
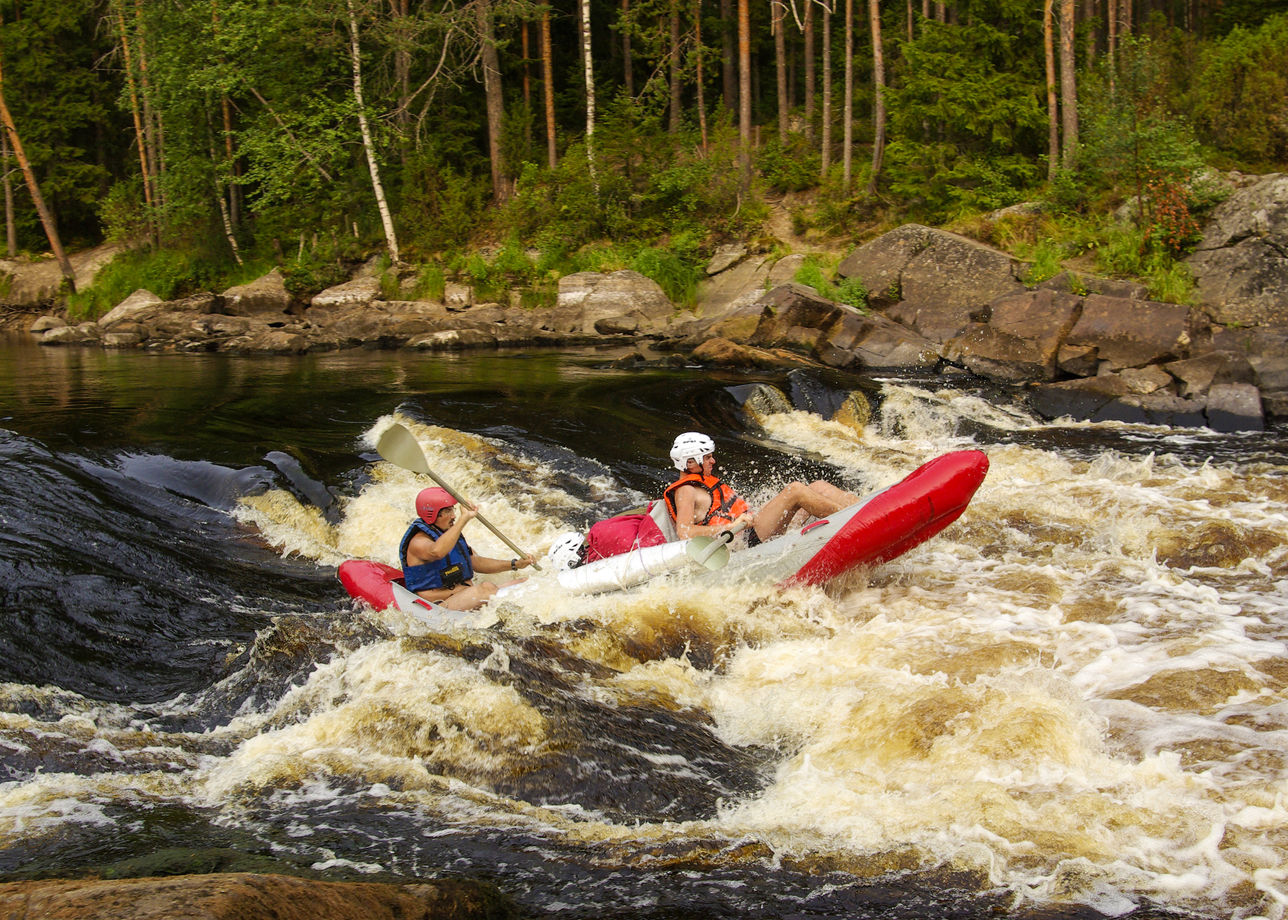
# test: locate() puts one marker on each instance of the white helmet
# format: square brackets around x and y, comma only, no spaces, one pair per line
[565,552]
[692,445]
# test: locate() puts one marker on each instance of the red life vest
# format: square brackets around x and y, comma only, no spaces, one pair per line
[726,506]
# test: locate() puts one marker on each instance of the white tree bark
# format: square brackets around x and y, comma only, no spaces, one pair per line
[386,219]
[590,87]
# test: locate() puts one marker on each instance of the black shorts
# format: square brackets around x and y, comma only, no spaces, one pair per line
[753,538]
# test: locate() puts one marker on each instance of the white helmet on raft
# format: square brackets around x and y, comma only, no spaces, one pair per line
[692,445]
[565,552]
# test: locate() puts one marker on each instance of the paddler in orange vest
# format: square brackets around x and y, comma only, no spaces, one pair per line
[701,504]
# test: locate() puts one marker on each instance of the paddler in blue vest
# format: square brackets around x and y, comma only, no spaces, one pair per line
[437,562]
[701,504]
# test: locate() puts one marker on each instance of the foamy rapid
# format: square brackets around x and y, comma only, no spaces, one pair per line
[1075,693]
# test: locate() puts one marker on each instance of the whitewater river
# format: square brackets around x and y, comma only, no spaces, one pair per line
[1072,703]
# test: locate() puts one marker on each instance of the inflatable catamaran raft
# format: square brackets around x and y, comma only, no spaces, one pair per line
[877,529]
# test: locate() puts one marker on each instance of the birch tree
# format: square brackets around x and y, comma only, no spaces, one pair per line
[589,65]
[368,144]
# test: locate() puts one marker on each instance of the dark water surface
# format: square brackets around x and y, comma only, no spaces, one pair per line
[1073,703]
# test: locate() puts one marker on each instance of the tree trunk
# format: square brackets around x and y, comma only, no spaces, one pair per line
[145,172]
[673,125]
[847,113]
[780,68]
[825,147]
[548,77]
[524,31]
[229,234]
[355,59]
[729,60]
[46,218]
[697,40]
[1068,86]
[1111,22]
[151,119]
[810,75]
[628,60]
[878,85]
[10,223]
[589,63]
[744,92]
[495,101]
[1053,116]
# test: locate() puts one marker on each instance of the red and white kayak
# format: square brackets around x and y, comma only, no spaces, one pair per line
[877,529]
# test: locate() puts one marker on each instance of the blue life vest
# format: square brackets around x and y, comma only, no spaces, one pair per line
[452,570]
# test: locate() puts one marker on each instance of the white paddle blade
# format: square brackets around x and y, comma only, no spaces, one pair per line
[709,552]
[399,447]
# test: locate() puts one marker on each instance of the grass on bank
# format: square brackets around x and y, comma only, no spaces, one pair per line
[1047,234]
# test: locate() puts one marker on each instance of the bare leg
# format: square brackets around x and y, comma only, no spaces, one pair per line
[470,597]
[818,502]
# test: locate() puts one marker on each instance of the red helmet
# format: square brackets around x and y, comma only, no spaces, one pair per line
[431,501]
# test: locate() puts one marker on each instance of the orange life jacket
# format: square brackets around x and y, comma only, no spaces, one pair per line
[726,505]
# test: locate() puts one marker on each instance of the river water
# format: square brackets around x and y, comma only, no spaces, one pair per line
[1072,703]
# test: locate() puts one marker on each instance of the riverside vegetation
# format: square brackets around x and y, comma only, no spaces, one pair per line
[487,143]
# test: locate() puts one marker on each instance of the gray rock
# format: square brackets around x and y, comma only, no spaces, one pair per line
[726,257]
[1241,264]
[1132,333]
[45,323]
[1196,375]
[137,304]
[1021,340]
[587,299]
[265,295]
[873,343]
[361,290]
[1235,407]
[734,288]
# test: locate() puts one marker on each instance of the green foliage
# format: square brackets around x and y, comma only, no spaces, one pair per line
[167,273]
[1129,133]
[965,120]
[788,168]
[1044,260]
[849,291]
[1239,98]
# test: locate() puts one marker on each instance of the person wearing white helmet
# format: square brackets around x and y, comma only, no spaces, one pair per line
[702,504]
[437,562]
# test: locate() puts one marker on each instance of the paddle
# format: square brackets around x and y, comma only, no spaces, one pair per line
[399,447]
[706,551]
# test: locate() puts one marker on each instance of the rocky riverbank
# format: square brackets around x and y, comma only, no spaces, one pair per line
[250,896]
[1076,345]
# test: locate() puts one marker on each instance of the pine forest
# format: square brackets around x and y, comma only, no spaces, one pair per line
[510,141]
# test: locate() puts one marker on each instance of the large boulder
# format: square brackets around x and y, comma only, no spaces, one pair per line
[266,295]
[1131,333]
[130,309]
[360,291]
[737,284]
[1266,350]
[861,342]
[934,282]
[1241,264]
[1022,338]
[622,302]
